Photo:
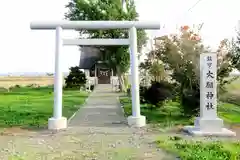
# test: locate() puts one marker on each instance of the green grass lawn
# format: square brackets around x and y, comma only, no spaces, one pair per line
[188,149]
[230,113]
[170,114]
[167,116]
[31,107]
[234,85]
[233,93]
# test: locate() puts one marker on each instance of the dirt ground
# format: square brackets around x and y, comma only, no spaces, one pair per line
[81,143]
[85,143]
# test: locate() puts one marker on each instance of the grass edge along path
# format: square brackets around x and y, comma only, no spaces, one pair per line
[31,107]
[169,115]
[189,149]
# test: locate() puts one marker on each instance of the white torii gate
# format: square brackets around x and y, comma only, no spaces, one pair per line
[59,122]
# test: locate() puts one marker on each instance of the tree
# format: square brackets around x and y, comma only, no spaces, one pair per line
[76,78]
[144,76]
[235,50]
[181,55]
[153,68]
[116,57]
[50,74]
[154,71]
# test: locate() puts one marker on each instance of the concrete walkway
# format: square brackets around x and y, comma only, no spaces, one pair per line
[103,117]
[101,110]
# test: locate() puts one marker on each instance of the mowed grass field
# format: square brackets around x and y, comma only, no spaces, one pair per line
[32,106]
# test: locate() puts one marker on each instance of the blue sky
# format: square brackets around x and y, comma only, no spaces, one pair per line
[23,50]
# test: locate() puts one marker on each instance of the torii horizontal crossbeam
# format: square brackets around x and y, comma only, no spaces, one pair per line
[96,42]
[94,25]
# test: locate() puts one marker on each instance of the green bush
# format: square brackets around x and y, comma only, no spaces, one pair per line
[30,86]
[17,86]
[76,78]
[158,93]
[190,101]
[92,87]
[142,92]
[129,90]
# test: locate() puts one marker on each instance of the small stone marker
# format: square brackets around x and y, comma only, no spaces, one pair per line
[208,123]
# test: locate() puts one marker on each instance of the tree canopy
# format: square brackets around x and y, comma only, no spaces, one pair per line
[235,49]
[115,56]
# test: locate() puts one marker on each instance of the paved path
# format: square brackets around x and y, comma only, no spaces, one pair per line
[101,110]
[97,132]
[103,118]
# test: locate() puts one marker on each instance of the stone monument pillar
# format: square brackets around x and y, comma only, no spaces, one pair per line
[208,123]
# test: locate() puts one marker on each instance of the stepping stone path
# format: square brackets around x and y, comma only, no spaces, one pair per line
[97,132]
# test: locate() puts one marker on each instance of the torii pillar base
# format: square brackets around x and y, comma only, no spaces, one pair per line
[57,124]
[139,121]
